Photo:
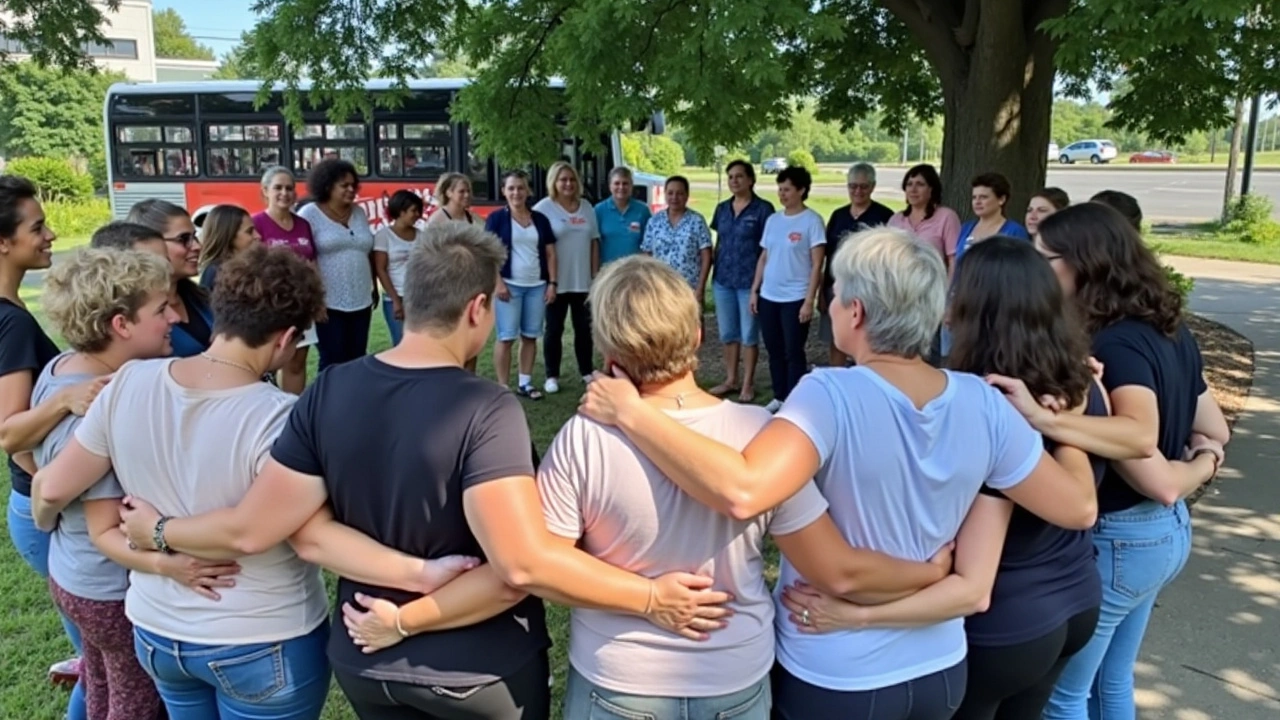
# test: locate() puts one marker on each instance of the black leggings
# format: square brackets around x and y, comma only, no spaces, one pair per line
[552,345]
[523,696]
[1014,682]
[784,339]
[932,697]
[343,337]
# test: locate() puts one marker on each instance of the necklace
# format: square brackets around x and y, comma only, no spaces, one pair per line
[228,363]
[678,397]
[101,362]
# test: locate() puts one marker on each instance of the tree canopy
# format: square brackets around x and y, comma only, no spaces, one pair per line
[52,112]
[172,39]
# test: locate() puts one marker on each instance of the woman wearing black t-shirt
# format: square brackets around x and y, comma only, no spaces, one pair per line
[26,243]
[1162,412]
[194,331]
[1044,604]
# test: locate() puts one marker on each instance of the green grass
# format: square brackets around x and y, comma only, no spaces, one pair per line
[31,637]
[1201,241]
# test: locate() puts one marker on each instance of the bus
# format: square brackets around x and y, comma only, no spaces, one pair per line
[202,144]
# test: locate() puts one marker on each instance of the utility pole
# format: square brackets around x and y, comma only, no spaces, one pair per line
[1230,193]
[1251,146]
[904,146]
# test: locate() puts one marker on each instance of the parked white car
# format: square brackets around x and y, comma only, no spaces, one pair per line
[1094,151]
[1053,151]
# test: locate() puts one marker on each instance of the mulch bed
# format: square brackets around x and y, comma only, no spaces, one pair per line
[1228,360]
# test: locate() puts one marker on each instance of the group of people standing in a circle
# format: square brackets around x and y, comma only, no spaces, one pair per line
[983,541]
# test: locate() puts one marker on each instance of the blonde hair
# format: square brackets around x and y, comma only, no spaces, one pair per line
[554,174]
[645,318]
[447,182]
[85,292]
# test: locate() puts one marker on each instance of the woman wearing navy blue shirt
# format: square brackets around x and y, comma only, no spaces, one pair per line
[193,332]
[739,226]
[1164,438]
[1044,604]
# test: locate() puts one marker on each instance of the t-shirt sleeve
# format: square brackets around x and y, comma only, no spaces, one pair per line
[1123,364]
[561,479]
[380,242]
[93,430]
[106,488]
[764,234]
[19,342]
[1016,446]
[817,230]
[811,408]
[799,511]
[950,230]
[296,446]
[272,428]
[592,223]
[498,445]
[703,234]
[1197,360]
[302,227]
[544,206]
[646,239]
[715,217]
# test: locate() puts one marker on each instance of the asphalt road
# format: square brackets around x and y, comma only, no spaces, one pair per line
[1166,194]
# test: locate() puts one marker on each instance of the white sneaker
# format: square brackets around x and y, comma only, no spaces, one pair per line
[551,386]
[774,405]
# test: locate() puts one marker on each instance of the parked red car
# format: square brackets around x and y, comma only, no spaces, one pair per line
[1153,156]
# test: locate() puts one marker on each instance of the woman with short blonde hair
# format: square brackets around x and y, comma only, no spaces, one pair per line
[112,306]
[577,232]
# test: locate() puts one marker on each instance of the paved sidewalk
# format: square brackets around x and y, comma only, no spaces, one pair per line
[1211,650]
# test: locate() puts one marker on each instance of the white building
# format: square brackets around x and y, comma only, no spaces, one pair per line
[130,47]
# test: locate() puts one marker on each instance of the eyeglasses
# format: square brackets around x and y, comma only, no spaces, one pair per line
[185,239]
[860,186]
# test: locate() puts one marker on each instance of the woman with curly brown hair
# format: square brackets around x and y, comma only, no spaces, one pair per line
[1161,409]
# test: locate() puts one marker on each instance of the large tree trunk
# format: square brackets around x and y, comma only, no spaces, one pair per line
[997,72]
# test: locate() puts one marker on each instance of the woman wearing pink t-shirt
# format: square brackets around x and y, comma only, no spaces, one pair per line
[279,226]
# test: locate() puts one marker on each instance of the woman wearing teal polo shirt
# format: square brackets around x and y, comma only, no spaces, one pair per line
[622,218]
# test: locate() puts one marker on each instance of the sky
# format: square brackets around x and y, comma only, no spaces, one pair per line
[216,23]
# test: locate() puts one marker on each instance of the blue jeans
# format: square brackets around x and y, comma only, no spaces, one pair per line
[1140,550]
[33,545]
[734,316]
[286,680]
[523,314]
[586,701]
[394,327]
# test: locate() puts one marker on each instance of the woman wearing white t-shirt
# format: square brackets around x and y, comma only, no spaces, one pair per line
[900,450]
[391,246]
[573,221]
[787,278]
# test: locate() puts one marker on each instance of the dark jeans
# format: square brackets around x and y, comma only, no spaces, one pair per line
[553,343]
[523,696]
[784,339]
[932,697]
[1014,682]
[344,336]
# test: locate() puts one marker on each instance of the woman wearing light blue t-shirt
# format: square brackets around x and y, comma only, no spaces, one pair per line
[900,450]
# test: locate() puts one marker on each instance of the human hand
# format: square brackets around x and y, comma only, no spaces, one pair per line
[397,308]
[944,558]
[806,311]
[754,299]
[138,520]
[685,604]
[373,628]
[813,612]
[549,295]
[502,291]
[1096,367]
[607,397]
[80,396]
[199,575]
[441,571]
[1016,392]
[1198,442]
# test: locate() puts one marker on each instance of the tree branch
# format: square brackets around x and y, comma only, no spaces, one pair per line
[935,37]
[523,79]
[966,33]
[653,29]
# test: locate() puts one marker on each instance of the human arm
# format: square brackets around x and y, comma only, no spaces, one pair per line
[382,265]
[758,281]
[966,591]
[71,473]
[24,427]
[552,270]
[204,577]
[816,255]
[702,236]
[1209,420]
[1126,434]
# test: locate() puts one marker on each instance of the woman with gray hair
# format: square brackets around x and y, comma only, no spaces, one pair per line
[861,213]
[900,450]
[280,226]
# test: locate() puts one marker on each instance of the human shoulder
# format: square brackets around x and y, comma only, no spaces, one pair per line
[546,206]
[15,319]
[309,213]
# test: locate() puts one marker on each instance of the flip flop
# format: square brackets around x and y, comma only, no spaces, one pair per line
[722,389]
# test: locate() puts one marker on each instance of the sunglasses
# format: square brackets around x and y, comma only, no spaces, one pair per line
[185,239]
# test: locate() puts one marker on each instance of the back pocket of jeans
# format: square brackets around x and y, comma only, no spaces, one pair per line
[253,677]
[602,709]
[1141,567]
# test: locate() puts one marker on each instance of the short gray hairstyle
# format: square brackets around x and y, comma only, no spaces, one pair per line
[271,172]
[901,283]
[621,171]
[449,266]
[864,169]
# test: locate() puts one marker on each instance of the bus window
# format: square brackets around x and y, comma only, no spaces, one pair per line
[155,151]
[419,150]
[242,150]
[305,157]
[316,142]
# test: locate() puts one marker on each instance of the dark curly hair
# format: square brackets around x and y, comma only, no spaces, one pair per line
[1009,316]
[797,175]
[931,178]
[325,175]
[997,183]
[13,190]
[1116,274]
[263,291]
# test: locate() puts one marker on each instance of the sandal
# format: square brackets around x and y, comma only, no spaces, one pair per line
[529,391]
[722,389]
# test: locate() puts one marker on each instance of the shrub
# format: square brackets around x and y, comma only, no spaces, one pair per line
[76,219]
[802,158]
[1183,284]
[633,154]
[55,178]
[1249,220]
[665,154]
[880,152]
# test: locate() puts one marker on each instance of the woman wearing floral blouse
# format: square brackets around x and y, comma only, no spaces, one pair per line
[679,237]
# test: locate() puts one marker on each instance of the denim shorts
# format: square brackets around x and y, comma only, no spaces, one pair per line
[523,314]
[734,316]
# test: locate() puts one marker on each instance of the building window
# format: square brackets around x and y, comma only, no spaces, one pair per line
[117,48]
